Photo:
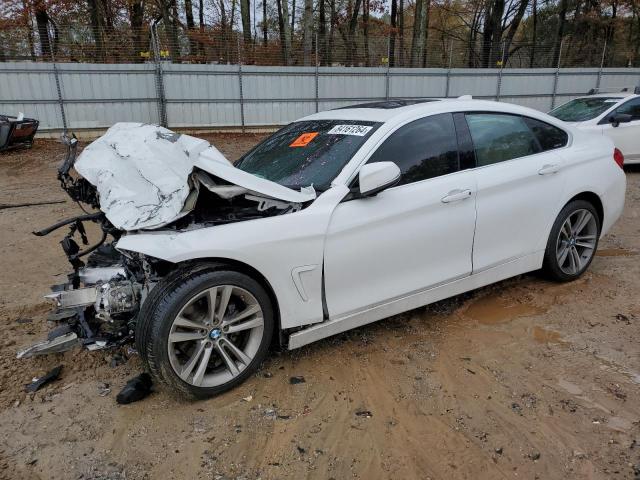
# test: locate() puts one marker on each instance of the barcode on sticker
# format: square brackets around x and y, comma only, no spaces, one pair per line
[358,130]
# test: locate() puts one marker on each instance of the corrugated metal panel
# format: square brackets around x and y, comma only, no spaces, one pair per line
[97,95]
[480,83]
[417,82]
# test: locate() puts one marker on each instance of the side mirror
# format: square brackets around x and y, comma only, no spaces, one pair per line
[375,177]
[618,118]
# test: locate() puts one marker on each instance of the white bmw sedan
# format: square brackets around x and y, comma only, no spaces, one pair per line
[339,219]
[615,115]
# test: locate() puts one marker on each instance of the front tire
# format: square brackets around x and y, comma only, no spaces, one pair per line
[573,241]
[209,332]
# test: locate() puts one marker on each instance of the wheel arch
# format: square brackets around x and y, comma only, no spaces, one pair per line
[594,199]
[251,272]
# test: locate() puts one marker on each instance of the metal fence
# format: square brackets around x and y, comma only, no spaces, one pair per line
[94,96]
[79,96]
[79,43]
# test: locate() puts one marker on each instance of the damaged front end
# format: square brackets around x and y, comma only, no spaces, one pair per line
[140,177]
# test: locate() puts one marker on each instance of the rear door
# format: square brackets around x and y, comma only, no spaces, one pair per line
[626,136]
[520,182]
[408,238]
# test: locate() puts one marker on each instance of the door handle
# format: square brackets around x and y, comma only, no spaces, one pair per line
[549,168]
[456,195]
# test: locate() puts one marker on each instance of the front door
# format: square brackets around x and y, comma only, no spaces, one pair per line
[408,238]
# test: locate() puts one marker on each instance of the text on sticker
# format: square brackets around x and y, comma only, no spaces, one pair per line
[358,130]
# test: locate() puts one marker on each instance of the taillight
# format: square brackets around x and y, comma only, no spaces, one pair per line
[618,157]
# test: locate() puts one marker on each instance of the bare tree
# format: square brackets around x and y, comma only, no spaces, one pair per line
[416,37]
[425,32]
[365,31]
[307,31]
[401,31]
[392,33]
[562,20]
[245,15]
[322,32]
[264,23]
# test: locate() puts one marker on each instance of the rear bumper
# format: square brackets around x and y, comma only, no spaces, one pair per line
[613,200]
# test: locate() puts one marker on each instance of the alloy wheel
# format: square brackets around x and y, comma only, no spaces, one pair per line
[215,336]
[576,241]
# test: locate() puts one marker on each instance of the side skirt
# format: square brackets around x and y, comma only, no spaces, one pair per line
[334,326]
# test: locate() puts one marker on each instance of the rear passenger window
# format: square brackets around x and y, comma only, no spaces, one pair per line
[499,137]
[425,148]
[550,137]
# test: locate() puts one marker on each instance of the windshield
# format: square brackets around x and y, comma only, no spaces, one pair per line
[307,153]
[582,109]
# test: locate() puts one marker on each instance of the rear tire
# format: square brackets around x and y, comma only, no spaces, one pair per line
[572,242]
[205,330]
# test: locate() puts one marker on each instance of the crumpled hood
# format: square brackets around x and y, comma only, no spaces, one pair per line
[145,176]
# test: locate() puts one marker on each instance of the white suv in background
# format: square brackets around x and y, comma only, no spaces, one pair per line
[616,115]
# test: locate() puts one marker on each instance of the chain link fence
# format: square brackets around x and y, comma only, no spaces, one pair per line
[207,45]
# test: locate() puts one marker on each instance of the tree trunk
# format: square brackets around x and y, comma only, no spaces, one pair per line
[534,36]
[513,28]
[307,32]
[42,22]
[96,27]
[559,34]
[365,32]
[401,32]
[245,14]
[136,17]
[425,32]
[392,34]
[332,27]
[188,10]
[293,17]
[201,14]
[283,24]
[322,32]
[264,23]
[416,37]
[351,34]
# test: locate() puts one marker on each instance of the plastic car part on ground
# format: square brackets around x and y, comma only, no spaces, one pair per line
[148,176]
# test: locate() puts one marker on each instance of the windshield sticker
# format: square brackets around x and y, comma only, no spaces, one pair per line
[612,100]
[358,130]
[304,139]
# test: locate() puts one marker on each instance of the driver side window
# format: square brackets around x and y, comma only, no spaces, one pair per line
[424,148]
[632,107]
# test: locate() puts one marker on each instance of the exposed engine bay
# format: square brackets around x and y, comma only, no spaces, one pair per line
[140,177]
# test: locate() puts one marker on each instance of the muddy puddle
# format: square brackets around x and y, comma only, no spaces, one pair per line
[493,310]
[542,335]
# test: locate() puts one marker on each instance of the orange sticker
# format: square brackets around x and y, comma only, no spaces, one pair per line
[304,139]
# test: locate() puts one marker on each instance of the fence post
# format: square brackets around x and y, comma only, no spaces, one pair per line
[159,79]
[56,76]
[317,73]
[446,92]
[555,80]
[388,71]
[604,50]
[499,83]
[240,85]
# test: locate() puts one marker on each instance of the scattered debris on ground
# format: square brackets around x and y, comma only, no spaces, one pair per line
[136,389]
[37,383]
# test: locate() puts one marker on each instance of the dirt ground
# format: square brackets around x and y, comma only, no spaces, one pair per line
[523,379]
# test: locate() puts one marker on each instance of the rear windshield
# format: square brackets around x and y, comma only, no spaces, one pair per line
[582,109]
[307,153]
